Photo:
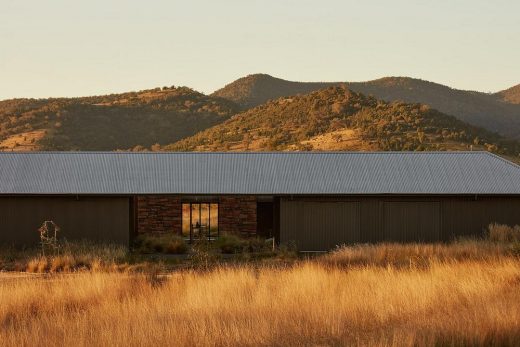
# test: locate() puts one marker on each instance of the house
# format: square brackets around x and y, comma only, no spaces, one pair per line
[317,200]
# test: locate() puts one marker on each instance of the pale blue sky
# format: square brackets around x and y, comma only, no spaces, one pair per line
[75,48]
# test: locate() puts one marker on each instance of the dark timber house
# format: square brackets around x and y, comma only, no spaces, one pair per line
[317,200]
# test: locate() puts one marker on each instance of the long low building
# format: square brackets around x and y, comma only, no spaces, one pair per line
[316,200]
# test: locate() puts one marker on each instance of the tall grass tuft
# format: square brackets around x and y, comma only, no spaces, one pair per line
[504,233]
[80,256]
[418,254]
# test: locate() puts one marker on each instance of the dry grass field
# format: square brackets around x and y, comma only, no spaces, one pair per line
[471,303]
[461,294]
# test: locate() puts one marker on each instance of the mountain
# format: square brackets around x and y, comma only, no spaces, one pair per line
[336,118]
[253,90]
[110,122]
[511,95]
[491,111]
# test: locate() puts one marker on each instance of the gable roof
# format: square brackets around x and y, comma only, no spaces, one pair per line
[257,173]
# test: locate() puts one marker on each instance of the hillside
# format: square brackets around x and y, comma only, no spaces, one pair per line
[479,109]
[336,118]
[511,95]
[110,122]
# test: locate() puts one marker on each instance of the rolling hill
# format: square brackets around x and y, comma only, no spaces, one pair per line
[496,112]
[336,118]
[179,118]
[110,122]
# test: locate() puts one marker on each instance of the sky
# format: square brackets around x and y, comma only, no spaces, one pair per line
[78,48]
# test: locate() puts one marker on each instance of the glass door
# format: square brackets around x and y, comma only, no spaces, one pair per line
[200,221]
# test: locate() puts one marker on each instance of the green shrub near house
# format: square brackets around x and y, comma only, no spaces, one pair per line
[230,244]
[165,243]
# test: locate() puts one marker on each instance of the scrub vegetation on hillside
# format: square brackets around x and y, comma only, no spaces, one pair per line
[110,122]
[498,112]
[353,121]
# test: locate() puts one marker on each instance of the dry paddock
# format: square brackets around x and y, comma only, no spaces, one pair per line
[475,302]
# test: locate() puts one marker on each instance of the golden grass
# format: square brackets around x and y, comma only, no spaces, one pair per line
[504,233]
[463,293]
[72,257]
[473,302]
[421,254]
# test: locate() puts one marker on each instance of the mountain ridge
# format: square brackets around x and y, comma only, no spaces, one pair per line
[481,109]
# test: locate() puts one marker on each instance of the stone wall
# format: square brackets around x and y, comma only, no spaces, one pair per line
[159,214]
[237,214]
[163,214]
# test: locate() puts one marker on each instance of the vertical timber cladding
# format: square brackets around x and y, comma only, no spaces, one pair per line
[411,221]
[319,225]
[471,216]
[98,219]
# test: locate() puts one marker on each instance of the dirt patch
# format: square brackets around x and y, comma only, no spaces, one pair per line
[343,139]
[27,141]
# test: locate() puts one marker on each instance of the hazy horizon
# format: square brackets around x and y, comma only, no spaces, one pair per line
[64,49]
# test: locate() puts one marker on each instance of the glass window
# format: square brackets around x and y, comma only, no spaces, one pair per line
[200,220]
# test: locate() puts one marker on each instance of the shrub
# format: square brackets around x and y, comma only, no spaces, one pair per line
[63,263]
[203,255]
[257,245]
[230,244]
[167,243]
[503,233]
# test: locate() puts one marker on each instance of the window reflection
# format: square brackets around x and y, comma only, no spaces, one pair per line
[200,220]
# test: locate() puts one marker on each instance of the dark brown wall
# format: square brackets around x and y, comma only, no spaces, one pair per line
[469,216]
[399,219]
[102,219]
[409,221]
[315,226]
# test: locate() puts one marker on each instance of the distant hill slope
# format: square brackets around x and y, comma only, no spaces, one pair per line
[511,95]
[110,122]
[485,110]
[336,118]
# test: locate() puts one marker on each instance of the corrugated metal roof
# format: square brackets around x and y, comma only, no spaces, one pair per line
[257,173]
